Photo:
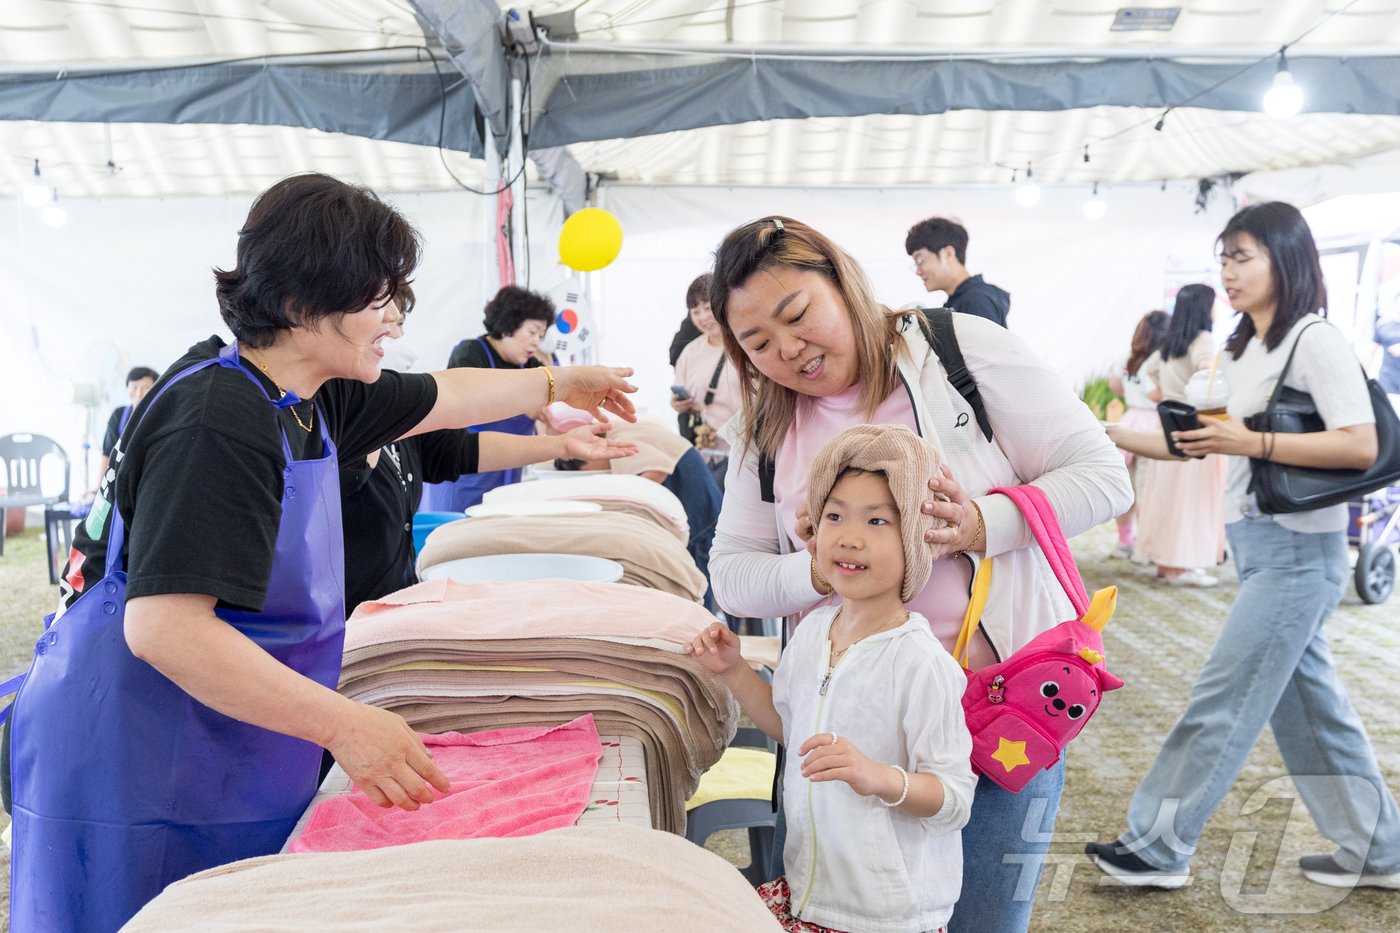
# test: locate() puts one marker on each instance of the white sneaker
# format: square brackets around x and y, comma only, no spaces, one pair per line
[1192,578]
[1323,869]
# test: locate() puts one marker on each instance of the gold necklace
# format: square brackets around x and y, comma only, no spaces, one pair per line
[303,425]
[837,655]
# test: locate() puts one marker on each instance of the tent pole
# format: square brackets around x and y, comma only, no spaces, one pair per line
[515,160]
[491,273]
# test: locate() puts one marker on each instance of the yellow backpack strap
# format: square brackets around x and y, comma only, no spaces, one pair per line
[976,602]
[1101,609]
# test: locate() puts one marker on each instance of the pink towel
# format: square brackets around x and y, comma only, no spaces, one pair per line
[505,782]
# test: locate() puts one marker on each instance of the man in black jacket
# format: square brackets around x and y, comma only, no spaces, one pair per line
[938,247]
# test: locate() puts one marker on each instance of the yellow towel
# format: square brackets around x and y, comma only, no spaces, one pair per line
[741,774]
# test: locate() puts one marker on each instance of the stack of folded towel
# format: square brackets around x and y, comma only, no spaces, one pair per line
[650,555]
[453,657]
[630,495]
[601,879]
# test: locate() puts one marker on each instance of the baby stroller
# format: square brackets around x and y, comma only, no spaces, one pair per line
[1374,530]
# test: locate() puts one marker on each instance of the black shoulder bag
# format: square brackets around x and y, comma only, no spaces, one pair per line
[1281,488]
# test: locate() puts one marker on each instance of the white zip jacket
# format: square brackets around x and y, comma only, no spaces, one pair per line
[1043,435]
[853,863]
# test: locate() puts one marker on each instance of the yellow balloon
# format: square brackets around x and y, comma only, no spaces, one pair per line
[590,240]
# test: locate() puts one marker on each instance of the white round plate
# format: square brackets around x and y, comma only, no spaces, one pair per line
[546,473]
[505,568]
[533,507]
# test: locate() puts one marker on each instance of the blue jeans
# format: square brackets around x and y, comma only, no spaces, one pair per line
[693,484]
[1271,664]
[1004,846]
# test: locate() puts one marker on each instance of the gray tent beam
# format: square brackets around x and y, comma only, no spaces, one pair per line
[470,31]
[613,104]
[404,104]
[565,177]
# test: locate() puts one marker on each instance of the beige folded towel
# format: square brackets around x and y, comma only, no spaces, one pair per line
[601,879]
[649,555]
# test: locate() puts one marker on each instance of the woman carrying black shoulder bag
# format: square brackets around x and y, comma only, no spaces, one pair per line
[1300,434]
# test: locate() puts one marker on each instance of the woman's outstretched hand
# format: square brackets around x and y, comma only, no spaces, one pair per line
[590,442]
[596,388]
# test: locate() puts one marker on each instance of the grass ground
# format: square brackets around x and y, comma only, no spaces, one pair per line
[1245,876]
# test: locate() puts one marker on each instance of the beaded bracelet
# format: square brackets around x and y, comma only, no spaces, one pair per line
[904,774]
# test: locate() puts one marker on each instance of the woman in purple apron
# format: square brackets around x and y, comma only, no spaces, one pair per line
[515,321]
[118,758]
[174,712]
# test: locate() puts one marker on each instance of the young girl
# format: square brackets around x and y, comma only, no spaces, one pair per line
[878,784]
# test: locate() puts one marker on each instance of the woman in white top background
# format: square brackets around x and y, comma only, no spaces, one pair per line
[709,380]
[1271,664]
[1137,389]
[1182,515]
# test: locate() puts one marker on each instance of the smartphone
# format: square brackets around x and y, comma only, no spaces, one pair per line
[1177,416]
[681,393]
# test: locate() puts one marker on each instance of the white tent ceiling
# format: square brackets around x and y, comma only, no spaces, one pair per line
[39,37]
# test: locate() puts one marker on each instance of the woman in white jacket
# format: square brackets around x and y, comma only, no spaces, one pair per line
[817,354]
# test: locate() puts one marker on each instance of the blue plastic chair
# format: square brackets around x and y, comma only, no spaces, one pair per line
[425,522]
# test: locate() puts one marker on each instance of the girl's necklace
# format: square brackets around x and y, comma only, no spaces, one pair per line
[302,424]
[837,655]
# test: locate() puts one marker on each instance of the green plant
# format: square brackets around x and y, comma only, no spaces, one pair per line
[1097,394]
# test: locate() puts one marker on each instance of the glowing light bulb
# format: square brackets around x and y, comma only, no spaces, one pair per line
[1284,98]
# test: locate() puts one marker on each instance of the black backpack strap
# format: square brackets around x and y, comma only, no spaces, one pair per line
[937,326]
[767,467]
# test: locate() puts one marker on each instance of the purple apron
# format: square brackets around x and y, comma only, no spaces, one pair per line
[467,490]
[124,783]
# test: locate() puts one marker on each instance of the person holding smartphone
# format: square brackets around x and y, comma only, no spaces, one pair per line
[1271,665]
[709,387]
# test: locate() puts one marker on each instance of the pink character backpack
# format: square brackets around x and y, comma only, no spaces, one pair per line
[1024,710]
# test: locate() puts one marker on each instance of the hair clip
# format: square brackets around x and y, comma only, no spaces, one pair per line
[779,224]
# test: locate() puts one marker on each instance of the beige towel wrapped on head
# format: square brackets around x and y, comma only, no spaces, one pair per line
[908,462]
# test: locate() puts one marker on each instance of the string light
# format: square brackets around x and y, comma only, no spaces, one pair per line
[54,214]
[1095,208]
[1284,98]
[35,194]
[1028,192]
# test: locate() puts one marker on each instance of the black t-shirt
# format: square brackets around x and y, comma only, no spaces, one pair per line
[983,299]
[114,430]
[199,475]
[479,354]
[378,506]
